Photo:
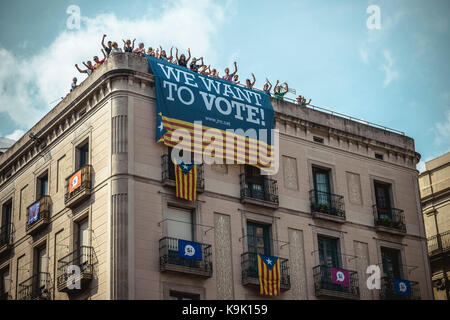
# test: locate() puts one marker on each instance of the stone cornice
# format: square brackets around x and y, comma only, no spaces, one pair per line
[131,71]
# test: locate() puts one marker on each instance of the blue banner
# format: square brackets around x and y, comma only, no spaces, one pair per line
[187,96]
[189,250]
[33,212]
[402,287]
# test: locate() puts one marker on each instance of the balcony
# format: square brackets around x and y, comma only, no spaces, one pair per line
[78,186]
[249,266]
[6,238]
[324,286]
[439,243]
[388,290]
[169,260]
[168,174]
[35,288]
[43,215]
[390,220]
[327,206]
[259,190]
[67,280]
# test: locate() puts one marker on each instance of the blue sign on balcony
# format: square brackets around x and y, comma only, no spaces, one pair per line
[189,250]
[402,287]
[33,212]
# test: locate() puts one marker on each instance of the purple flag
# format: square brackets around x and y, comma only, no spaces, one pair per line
[340,276]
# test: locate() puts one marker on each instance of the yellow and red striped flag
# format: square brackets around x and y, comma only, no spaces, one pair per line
[269,275]
[186,180]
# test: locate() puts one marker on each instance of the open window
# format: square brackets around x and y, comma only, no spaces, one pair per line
[42,185]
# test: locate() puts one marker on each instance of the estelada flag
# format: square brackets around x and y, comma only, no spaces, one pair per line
[186,180]
[75,181]
[269,275]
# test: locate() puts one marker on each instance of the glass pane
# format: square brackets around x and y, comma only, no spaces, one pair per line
[44,186]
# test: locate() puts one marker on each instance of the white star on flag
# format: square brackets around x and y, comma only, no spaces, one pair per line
[269,262]
[160,127]
[184,166]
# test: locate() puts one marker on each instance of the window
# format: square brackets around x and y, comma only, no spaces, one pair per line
[254,182]
[180,224]
[82,156]
[83,242]
[5,230]
[329,254]
[391,263]
[322,187]
[41,269]
[5,283]
[383,199]
[258,237]
[42,186]
[177,295]
[379,156]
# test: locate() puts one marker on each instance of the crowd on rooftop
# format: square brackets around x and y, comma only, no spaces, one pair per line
[196,65]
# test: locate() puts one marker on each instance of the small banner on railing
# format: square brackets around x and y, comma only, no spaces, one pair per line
[75,181]
[212,117]
[402,287]
[189,250]
[340,276]
[269,275]
[33,212]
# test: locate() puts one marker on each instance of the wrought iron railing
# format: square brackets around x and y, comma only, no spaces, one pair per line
[85,184]
[6,237]
[388,291]
[328,203]
[35,287]
[389,217]
[168,172]
[249,267]
[323,283]
[44,211]
[82,258]
[264,189]
[439,243]
[168,256]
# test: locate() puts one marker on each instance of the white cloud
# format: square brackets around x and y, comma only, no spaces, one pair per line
[421,166]
[390,73]
[16,135]
[442,132]
[364,55]
[28,86]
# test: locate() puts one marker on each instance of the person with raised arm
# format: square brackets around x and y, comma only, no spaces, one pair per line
[267,87]
[99,62]
[229,76]
[248,84]
[182,61]
[214,73]
[194,66]
[107,48]
[236,79]
[88,71]
[277,91]
[127,46]
[163,55]
[115,48]
[140,50]
[203,70]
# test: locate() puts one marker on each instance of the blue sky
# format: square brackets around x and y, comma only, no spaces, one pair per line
[397,76]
